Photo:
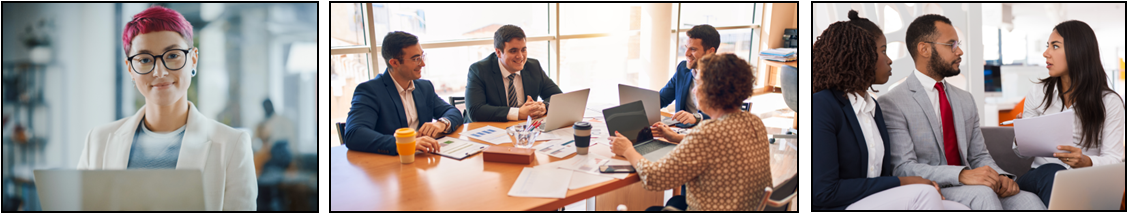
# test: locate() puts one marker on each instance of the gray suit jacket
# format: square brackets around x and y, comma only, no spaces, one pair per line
[916,135]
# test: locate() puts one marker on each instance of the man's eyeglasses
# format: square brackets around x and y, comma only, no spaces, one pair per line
[144,63]
[418,60]
[954,45]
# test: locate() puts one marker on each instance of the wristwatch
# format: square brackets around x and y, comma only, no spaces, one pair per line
[447,122]
[698,116]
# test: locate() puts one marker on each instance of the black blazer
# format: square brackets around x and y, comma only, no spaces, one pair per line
[841,154]
[485,92]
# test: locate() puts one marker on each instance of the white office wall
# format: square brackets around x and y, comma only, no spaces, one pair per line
[78,90]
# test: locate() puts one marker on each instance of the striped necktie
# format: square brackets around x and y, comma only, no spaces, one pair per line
[512,93]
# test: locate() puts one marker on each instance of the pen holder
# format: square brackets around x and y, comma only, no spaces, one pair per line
[525,136]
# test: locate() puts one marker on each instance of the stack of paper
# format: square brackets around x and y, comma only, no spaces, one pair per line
[541,182]
[779,54]
[557,148]
[1040,136]
[553,180]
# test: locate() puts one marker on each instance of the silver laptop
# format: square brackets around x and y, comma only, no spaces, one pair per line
[1090,188]
[566,109]
[630,121]
[120,190]
[651,101]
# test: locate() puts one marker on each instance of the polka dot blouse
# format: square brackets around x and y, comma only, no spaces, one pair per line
[724,163]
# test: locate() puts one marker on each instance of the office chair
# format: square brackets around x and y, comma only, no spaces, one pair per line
[454,101]
[789,82]
[786,192]
[341,132]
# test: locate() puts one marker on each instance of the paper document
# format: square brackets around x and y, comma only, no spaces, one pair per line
[489,134]
[541,182]
[459,148]
[1040,136]
[557,148]
[585,163]
[558,134]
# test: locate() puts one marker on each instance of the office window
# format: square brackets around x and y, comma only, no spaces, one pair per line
[717,14]
[435,23]
[346,72]
[450,21]
[737,23]
[347,25]
[599,18]
[602,63]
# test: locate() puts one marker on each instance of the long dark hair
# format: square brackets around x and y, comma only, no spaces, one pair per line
[1088,81]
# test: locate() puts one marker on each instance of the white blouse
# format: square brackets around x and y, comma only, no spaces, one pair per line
[864,109]
[1111,150]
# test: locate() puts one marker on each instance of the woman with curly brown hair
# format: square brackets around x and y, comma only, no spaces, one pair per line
[722,161]
[853,170]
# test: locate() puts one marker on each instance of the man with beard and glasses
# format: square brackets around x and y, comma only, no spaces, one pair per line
[934,127]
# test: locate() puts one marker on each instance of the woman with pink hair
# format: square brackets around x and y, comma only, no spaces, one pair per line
[168,132]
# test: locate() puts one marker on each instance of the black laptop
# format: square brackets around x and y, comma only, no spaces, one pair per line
[631,121]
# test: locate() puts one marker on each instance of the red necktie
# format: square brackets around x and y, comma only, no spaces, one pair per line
[951,150]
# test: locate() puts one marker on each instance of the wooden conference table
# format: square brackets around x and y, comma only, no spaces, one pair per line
[369,181]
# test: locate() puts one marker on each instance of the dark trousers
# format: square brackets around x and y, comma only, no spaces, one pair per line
[1040,181]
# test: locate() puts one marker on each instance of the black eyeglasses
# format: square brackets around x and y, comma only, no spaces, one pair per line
[144,63]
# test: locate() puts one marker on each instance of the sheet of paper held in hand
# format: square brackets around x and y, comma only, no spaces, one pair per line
[1040,136]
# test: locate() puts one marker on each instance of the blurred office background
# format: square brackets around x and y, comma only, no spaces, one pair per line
[1002,43]
[63,75]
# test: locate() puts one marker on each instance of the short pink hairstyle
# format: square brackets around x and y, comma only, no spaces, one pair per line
[155,19]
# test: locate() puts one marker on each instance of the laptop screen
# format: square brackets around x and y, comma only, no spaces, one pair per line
[630,120]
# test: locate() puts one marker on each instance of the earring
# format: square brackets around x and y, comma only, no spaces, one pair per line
[193,72]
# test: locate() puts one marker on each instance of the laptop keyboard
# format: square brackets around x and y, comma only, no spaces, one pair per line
[649,146]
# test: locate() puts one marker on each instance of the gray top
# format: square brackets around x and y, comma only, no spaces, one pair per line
[153,150]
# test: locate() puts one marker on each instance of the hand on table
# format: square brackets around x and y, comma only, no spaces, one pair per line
[427,144]
[684,117]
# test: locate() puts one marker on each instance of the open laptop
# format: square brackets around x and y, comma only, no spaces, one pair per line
[630,120]
[120,190]
[566,109]
[651,101]
[1090,188]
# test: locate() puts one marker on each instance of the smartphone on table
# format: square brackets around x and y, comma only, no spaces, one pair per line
[616,169]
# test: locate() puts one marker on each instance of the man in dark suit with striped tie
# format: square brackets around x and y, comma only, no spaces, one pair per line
[503,86]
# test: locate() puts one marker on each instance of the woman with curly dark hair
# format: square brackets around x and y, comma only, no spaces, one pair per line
[853,170]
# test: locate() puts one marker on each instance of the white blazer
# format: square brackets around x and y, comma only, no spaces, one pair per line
[223,155]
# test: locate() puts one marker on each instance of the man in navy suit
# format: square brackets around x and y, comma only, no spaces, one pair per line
[703,41]
[398,99]
[502,86]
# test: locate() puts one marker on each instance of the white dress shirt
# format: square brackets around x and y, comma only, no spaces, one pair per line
[929,85]
[408,105]
[1111,150]
[517,87]
[864,108]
